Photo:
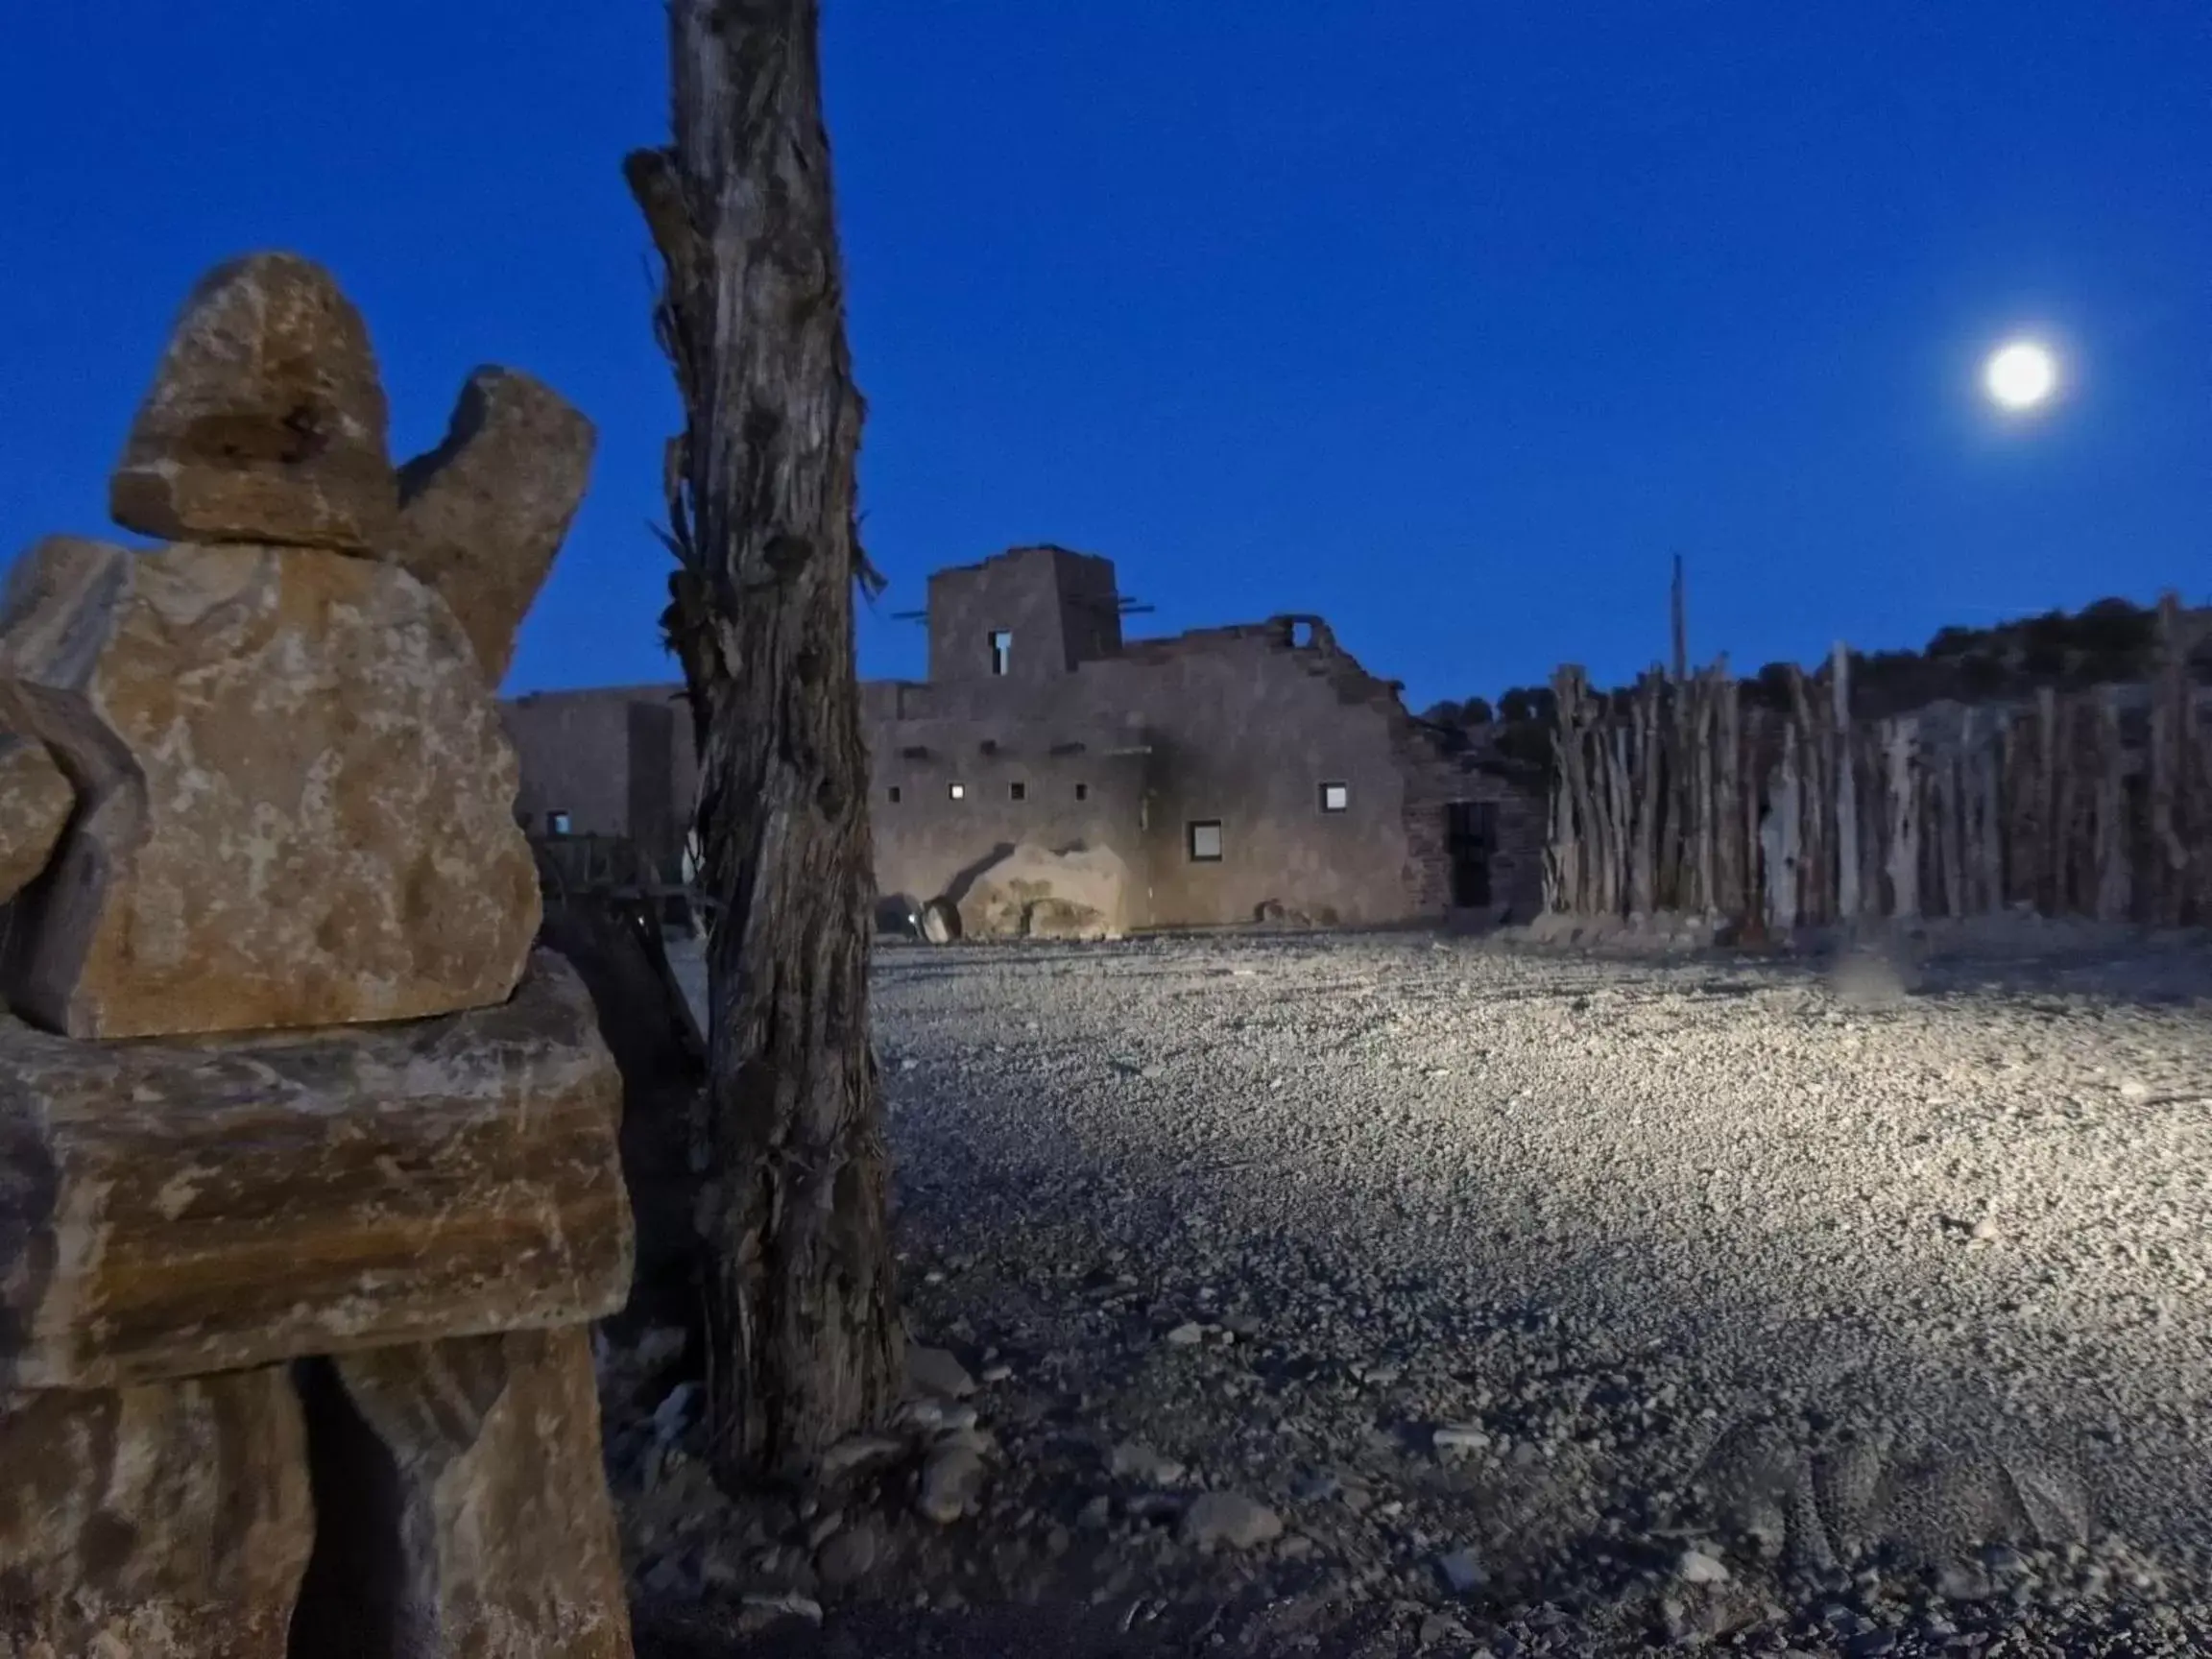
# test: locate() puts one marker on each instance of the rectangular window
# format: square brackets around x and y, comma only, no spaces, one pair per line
[893,794]
[557,822]
[1335,797]
[957,791]
[1018,791]
[1002,650]
[1082,791]
[1206,841]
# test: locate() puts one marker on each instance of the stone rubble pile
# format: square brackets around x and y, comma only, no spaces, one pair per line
[308,1174]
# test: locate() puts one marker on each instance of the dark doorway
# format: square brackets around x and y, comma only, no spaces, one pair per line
[1470,837]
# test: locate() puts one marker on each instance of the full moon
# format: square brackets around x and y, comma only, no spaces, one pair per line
[2020,375]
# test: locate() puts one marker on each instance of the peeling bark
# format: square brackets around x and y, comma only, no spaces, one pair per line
[801,1327]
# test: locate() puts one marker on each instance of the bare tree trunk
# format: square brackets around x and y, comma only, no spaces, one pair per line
[802,1335]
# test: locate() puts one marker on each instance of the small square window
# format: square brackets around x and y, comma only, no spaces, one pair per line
[1018,791]
[1082,791]
[1002,650]
[557,822]
[957,791]
[893,794]
[1206,841]
[1335,797]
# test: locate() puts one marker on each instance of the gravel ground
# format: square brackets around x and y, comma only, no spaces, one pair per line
[1390,1294]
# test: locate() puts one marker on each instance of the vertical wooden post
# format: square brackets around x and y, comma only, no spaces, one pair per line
[1701,812]
[1681,626]
[1754,788]
[1988,776]
[1786,799]
[1727,795]
[2074,896]
[2114,901]
[1900,740]
[1951,771]
[2051,879]
[1579,836]
[1846,787]
[1809,835]
[1644,798]
[2170,742]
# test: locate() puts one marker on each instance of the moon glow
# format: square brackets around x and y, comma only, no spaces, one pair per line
[2020,375]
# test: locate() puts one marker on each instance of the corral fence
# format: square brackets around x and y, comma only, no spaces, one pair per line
[1684,794]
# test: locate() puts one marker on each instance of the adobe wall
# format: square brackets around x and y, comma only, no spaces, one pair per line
[1074,790]
[1244,728]
[1060,607]
[1238,725]
[617,760]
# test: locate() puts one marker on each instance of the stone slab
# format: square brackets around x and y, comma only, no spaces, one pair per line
[1034,891]
[482,515]
[296,798]
[481,1456]
[168,1208]
[266,420]
[166,1522]
[34,802]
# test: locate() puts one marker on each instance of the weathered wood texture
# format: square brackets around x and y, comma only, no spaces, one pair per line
[1674,797]
[798,1272]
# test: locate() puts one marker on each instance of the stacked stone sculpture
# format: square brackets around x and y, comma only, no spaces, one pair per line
[308,1174]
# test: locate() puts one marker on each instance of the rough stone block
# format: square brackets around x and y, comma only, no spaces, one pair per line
[297,798]
[482,515]
[480,1457]
[1033,892]
[35,801]
[266,420]
[168,1522]
[172,1208]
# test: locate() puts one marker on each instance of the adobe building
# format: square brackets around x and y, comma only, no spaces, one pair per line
[1240,773]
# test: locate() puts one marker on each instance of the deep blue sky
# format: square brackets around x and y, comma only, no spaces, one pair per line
[1449,320]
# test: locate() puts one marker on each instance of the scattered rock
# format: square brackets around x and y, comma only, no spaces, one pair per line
[1458,1439]
[940,922]
[1695,1567]
[1188,1335]
[848,1557]
[482,515]
[1964,1582]
[297,800]
[1436,1627]
[266,420]
[661,1347]
[1131,1461]
[34,802]
[757,1613]
[950,1481]
[935,1371]
[858,1453]
[1231,1519]
[1461,1573]
[673,1414]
